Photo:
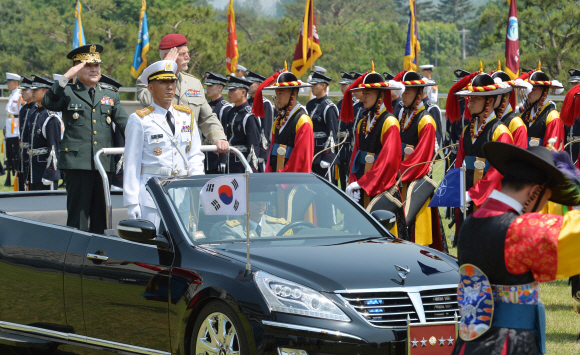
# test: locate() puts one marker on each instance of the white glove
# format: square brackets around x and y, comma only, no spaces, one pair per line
[134,212]
[223,168]
[467,202]
[46,182]
[324,165]
[356,195]
[350,189]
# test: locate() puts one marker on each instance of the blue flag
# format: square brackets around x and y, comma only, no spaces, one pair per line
[79,34]
[140,58]
[451,190]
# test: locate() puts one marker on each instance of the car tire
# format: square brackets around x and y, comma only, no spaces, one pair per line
[218,331]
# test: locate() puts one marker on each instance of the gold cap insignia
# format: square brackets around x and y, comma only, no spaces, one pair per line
[168,66]
[93,49]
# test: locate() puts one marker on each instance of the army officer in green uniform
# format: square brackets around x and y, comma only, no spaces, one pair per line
[88,110]
[261,225]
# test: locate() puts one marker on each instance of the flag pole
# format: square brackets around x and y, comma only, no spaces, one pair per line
[311,29]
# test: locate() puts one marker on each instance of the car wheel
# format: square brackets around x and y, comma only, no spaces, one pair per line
[218,331]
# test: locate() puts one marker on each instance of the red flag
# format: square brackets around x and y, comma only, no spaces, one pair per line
[512,44]
[308,46]
[232,44]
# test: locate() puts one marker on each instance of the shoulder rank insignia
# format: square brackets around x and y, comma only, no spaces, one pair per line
[182,108]
[329,102]
[224,102]
[430,103]
[234,223]
[277,220]
[145,111]
[248,109]
[184,73]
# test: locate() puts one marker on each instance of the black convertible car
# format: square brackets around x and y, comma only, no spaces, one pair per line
[326,277]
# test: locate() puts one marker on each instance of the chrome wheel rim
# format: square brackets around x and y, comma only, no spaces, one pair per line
[217,336]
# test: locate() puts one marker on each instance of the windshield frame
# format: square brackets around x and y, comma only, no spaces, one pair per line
[382,232]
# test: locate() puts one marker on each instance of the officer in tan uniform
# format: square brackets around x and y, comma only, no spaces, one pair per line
[261,225]
[189,91]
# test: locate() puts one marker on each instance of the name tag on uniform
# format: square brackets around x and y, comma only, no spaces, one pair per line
[75,107]
[185,128]
[193,93]
[107,101]
[156,136]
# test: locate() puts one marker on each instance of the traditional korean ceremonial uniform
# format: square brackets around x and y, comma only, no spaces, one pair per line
[498,294]
[159,143]
[220,108]
[344,136]
[292,148]
[507,115]
[265,122]
[418,139]
[573,130]
[544,123]
[45,137]
[243,131]
[374,165]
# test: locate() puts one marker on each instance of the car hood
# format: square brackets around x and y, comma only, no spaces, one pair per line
[351,265]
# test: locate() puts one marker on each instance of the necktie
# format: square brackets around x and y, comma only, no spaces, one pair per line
[92,94]
[170,122]
[259,230]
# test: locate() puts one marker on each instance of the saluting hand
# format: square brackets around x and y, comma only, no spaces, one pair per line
[172,54]
[72,72]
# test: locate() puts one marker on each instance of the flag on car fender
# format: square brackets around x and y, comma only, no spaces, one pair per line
[224,195]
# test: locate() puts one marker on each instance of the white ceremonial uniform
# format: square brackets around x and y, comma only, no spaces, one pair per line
[13,108]
[152,150]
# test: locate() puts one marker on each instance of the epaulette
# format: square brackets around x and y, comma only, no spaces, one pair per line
[184,73]
[52,113]
[224,102]
[329,102]
[234,223]
[401,103]
[430,103]
[248,109]
[182,108]
[145,111]
[277,220]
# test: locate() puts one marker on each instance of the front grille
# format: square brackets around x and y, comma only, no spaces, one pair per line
[440,305]
[394,308]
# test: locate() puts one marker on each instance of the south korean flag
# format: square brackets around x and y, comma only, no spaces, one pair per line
[224,195]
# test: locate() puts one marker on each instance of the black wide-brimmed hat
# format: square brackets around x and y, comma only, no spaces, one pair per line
[90,53]
[412,79]
[484,85]
[536,164]
[287,80]
[376,81]
[503,76]
[109,82]
[238,83]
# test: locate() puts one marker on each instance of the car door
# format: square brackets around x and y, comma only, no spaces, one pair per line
[125,293]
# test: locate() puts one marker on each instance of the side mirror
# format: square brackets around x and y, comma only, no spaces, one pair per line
[140,231]
[386,218]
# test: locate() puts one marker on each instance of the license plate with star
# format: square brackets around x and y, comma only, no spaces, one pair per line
[431,338]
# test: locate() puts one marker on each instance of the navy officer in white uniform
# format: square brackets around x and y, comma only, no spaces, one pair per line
[161,140]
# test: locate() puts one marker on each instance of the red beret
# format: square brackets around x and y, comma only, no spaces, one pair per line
[172,40]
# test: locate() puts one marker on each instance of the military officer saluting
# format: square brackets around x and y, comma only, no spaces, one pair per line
[88,110]
[214,84]
[189,91]
[324,115]
[45,136]
[266,121]
[242,127]
[162,140]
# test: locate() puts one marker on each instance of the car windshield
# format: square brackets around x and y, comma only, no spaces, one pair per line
[294,206]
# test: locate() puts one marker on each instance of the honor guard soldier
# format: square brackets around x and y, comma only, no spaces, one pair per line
[266,121]
[45,138]
[189,91]
[242,128]
[292,147]
[215,84]
[418,139]
[162,140]
[376,156]
[118,137]
[503,107]
[240,71]
[396,101]
[432,92]
[345,135]
[26,114]
[435,112]
[324,115]
[573,132]
[541,116]
[12,129]
[506,248]
[482,91]
[88,110]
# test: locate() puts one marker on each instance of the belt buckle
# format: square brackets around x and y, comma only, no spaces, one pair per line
[175,172]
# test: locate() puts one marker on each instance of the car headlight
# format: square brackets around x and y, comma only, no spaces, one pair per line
[288,297]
